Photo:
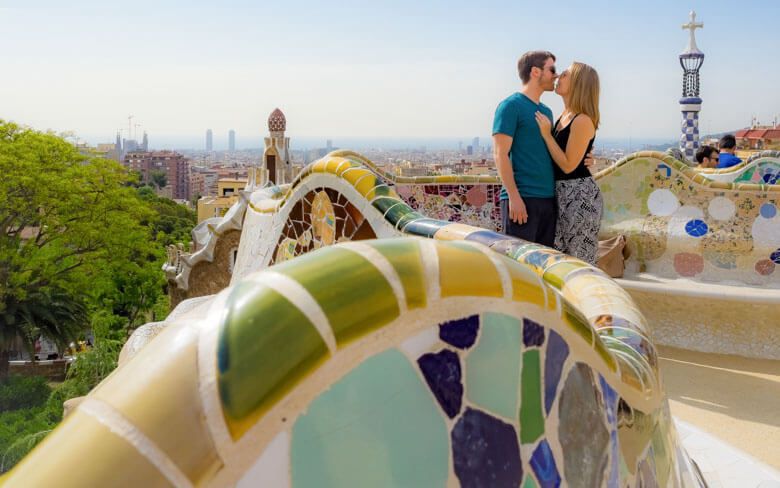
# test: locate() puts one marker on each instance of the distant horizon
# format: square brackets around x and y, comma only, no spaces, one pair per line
[369,69]
[362,143]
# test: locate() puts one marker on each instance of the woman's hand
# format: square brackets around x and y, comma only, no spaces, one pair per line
[545,126]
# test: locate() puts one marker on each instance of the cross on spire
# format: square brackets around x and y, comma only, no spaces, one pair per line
[692,26]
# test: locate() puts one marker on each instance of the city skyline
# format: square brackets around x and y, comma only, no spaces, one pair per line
[438,74]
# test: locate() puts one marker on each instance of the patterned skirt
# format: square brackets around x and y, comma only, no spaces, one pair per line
[579,216]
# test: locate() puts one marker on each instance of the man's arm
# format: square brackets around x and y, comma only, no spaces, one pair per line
[502,144]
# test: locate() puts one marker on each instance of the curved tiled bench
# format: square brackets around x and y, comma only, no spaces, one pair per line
[763,167]
[451,355]
[670,272]
[703,254]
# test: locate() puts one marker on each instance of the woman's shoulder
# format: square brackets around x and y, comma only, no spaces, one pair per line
[583,122]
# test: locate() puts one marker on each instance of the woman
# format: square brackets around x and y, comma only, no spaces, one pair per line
[579,200]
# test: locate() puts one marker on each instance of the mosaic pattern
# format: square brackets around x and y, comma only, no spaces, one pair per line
[466,359]
[760,168]
[321,218]
[340,388]
[659,210]
[473,204]
[682,224]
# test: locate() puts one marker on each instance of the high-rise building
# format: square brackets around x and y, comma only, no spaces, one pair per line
[232,141]
[145,142]
[475,144]
[329,145]
[209,141]
[175,166]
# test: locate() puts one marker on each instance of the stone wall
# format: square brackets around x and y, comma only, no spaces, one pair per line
[207,278]
[53,370]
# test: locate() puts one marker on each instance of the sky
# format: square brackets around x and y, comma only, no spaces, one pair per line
[348,70]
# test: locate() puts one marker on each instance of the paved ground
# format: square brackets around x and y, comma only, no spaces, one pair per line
[733,398]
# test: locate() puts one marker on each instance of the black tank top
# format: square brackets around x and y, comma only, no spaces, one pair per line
[562,138]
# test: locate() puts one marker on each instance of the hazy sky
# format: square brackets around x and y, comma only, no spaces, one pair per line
[391,69]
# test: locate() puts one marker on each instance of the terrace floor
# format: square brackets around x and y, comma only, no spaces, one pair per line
[731,398]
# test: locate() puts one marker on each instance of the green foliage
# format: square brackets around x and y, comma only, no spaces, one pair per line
[91,366]
[64,219]
[20,431]
[172,223]
[81,245]
[23,392]
[159,178]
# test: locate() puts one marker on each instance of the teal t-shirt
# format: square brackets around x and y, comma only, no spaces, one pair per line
[531,162]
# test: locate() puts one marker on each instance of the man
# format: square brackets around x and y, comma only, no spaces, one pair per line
[728,146]
[528,206]
[707,157]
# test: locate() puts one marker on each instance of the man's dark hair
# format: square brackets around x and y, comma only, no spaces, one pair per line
[704,152]
[727,142]
[532,59]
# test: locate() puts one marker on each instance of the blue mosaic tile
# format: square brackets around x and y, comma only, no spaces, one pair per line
[461,333]
[543,464]
[533,333]
[696,228]
[557,351]
[424,227]
[442,373]
[768,210]
[486,237]
[485,451]
[610,401]
[775,257]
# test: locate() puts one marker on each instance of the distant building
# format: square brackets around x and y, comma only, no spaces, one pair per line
[759,137]
[203,181]
[227,194]
[209,141]
[175,166]
[232,141]
[469,150]
[475,144]
[276,157]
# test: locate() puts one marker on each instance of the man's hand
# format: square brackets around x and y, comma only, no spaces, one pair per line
[517,211]
[589,160]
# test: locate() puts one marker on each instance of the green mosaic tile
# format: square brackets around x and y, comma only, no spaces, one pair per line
[531,418]
[372,303]
[493,365]
[377,426]
[529,482]
[265,347]
[404,255]
[577,322]
[605,354]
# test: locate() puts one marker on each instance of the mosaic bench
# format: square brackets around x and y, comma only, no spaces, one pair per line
[703,254]
[421,353]
[763,167]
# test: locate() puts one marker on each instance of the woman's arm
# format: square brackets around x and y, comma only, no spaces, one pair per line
[582,131]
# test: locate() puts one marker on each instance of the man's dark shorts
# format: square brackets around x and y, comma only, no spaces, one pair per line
[540,227]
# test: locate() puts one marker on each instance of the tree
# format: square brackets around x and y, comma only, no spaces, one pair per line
[158,178]
[68,222]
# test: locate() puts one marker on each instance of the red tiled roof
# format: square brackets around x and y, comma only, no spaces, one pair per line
[771,133]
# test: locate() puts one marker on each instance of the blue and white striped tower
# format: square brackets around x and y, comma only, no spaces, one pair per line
[690,104]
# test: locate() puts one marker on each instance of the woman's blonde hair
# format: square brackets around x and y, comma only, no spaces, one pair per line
[584,96]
